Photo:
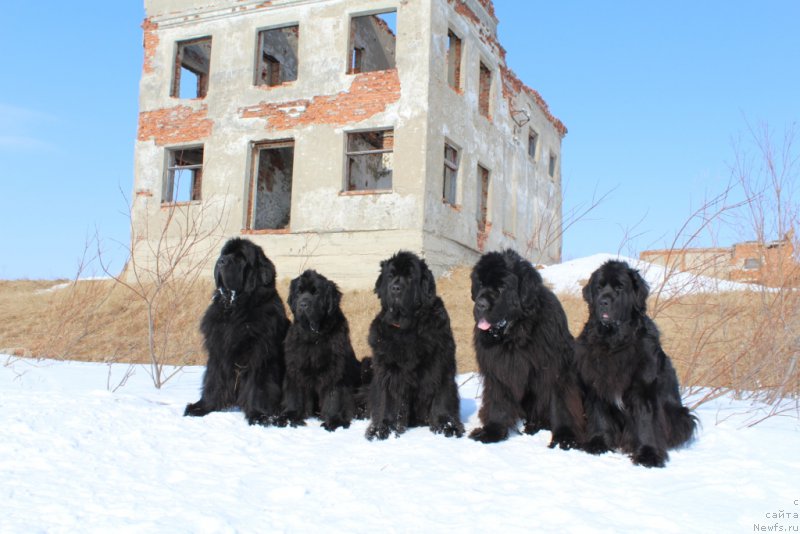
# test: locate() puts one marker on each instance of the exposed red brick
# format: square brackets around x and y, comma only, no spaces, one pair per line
[485,35]
[513,86]
[489,7]
[150,43]
[484,90]
[179,124]
[483,236]
[369,94]
[144,193]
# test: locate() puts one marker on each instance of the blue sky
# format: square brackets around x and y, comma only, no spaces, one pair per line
[653,94]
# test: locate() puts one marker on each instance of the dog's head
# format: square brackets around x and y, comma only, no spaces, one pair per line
[313,300]
[505,288]
[241,268]
[616,294]
[404,286]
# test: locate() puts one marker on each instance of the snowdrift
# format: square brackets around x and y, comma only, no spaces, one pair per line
[570,277]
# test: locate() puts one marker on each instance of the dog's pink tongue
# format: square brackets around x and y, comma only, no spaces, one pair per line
[483,324]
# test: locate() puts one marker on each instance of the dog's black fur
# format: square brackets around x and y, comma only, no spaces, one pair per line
[323,376]
[243,330]
[525,354]
[632,402]
[413,357]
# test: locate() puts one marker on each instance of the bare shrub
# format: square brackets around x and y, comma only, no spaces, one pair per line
[167,259]
[745,342]
[551,224]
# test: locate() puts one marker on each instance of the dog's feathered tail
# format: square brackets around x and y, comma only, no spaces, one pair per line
[362,392]
[681,425]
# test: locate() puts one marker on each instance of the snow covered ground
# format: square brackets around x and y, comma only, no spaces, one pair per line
[571,276]
[75,457]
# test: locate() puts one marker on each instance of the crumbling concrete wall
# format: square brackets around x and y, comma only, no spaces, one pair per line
[524,210]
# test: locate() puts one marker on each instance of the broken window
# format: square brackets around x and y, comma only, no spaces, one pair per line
[453,60]
[192,66]
[270,199]
[483,197]
[370,160]
[184,175]
[372,42]
[450,174]
[752,263]
[277,55]
[484,89]
[551,167]
[533,140]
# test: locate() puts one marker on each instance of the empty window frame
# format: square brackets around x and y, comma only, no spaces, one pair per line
[450,182]
[453,60]
[372,42]
[192,67]
[484,90]
[551,166]
[533,141]
[277,58]
[752,263]
[184,175]
[370,160]
[270,196]
[482,213]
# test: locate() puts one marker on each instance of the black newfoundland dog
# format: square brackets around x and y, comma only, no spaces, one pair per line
[632,399]
[413,359]
[243,330]
[525,354]
[323,376]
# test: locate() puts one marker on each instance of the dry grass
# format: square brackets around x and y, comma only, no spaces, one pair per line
[745,341]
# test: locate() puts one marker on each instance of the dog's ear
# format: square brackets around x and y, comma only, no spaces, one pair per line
[264,270]
[475,283]
[217,275]
[293,293]
[333,296]
[427,283]
[379,281]
[640,289]
[529,283]
[588,289]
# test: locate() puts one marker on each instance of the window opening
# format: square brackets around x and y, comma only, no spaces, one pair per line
[192,68]
[370,160]
[372,42]
[271,186]
[277,55]
[184,175]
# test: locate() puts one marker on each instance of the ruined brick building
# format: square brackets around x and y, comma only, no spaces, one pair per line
[335,132]
[772,263]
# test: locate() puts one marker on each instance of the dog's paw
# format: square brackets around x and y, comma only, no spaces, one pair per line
[649,456]
[332,424]
[564,438]
[379,431]
[449,428]
[596,445]
[532,427]
[489,434]
[195,410]
[262,419]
